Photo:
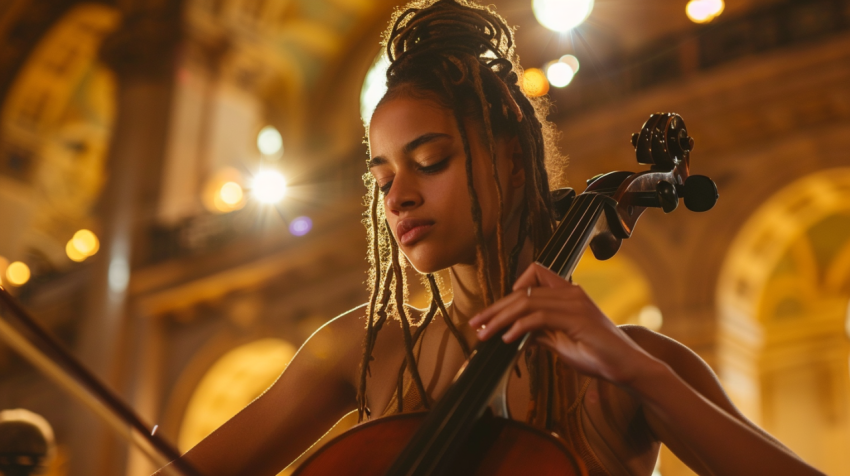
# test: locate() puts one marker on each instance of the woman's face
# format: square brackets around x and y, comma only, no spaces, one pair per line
[419,164]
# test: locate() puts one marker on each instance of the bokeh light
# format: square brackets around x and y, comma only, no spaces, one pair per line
[561,15]
[571,61]
[650,317]
[534,82]
[73,253]
[4,263]
[300,226]
[223,192]
[559,74]
[703,11]
[231,193]
[374,87]
[18,273]
[269,186]
[270,142]
[85,242]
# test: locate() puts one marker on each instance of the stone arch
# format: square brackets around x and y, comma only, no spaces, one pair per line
[767,235]
[782,303]
[232,382]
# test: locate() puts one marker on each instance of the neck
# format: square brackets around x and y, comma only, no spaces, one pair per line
[467,295]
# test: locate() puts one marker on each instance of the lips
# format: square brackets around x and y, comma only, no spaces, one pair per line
[411,230]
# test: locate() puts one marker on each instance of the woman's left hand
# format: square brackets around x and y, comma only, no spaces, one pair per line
[564,319]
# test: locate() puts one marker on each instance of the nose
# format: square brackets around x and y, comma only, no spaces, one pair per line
[403,195]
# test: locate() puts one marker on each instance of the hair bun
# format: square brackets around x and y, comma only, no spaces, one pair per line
[449,28]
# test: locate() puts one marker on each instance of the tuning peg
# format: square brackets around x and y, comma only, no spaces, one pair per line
[562,199]
[685,142]
[668,199]
[700,193]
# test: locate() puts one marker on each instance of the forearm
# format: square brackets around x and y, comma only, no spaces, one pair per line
[723,444]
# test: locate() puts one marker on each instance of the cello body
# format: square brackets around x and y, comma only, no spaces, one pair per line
[498,447]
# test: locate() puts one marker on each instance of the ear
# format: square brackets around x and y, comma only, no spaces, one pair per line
[517,163]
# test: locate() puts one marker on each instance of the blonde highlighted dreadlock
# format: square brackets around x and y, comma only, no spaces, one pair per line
[462,55]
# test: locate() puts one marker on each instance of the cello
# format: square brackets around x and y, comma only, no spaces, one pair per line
[462,433]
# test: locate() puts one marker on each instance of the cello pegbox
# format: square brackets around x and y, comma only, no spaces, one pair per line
[663,141]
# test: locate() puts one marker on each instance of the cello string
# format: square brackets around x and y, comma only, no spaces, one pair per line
[586,211]
[584,223]
[583,208]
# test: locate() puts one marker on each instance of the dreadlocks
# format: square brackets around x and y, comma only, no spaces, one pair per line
[462,55]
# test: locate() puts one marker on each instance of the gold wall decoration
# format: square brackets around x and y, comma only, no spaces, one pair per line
[783,301]
[55,127]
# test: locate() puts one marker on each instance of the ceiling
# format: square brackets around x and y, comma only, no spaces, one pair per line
[614,28]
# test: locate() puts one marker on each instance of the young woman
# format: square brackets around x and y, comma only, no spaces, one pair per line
[457,180]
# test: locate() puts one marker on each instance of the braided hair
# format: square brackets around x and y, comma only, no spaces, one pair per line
[461,55]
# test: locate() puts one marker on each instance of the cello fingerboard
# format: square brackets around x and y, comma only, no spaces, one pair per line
[450,422]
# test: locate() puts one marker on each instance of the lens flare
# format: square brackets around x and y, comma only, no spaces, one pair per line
[561,15]
[300,226]
[269,186]
[703,11]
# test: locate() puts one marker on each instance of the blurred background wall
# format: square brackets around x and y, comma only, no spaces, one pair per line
[144,145]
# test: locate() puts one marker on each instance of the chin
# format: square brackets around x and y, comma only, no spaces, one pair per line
[428,259]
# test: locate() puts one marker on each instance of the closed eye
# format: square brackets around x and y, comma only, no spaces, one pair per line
[434,168]
[425,169]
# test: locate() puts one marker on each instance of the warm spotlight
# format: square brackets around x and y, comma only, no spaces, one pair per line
[703,11]
[18,273]
[300,226]
[559,74]
[85,242]
[534,82]
[561,15]
[269,186]
[270,142]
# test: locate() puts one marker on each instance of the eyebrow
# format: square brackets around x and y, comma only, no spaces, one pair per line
[411,146]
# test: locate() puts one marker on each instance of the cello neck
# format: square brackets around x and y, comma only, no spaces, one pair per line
[451,420]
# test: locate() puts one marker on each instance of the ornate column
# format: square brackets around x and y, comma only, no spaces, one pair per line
[141,53]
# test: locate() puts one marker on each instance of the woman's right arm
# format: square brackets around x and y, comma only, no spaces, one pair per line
[310,396]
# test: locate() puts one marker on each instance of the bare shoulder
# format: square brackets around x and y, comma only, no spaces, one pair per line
[346,324]
[336,345]
[342,333]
